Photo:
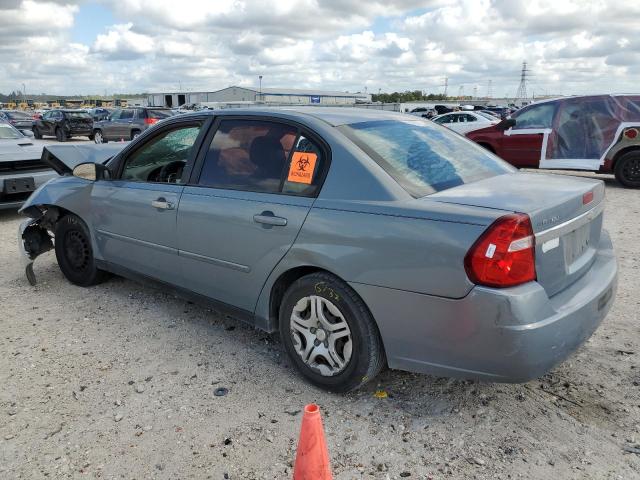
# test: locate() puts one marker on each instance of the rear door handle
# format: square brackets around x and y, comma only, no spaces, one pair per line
[163,204]
[268,218]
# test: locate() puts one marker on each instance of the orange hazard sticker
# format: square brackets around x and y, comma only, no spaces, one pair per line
[302,165]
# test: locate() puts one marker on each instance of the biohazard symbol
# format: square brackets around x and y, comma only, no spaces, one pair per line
[303,163]
[302,167]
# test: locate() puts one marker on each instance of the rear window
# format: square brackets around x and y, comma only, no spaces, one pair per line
[159,114]
[77,115]
[422,157]
[18,115]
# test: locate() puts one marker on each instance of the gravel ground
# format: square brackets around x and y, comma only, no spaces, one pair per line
[117,381]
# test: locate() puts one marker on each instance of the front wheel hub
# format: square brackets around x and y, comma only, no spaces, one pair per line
[321,335]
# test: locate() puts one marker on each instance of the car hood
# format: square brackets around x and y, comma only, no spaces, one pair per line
[19,149]
[64,158]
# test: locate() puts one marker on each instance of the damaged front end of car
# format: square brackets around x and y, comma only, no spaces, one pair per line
[34,238]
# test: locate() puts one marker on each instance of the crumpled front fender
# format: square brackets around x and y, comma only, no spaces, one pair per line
[33,240]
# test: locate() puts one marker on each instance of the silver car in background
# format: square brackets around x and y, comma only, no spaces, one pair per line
[127,123]
[365,238]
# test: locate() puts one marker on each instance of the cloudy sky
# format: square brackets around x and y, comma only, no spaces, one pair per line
[97,46]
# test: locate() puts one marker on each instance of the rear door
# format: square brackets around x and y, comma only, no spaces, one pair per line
[523,144]
[245,205]
[134,215]
[110,125]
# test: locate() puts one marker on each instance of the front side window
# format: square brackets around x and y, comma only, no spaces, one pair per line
[248,155]
[423,158]
[163,157]
[538,116]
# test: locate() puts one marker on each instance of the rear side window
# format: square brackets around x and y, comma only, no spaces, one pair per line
[423,158]
[262,156]
[126,114]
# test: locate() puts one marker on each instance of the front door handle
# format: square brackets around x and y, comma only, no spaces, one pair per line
[163,204]
[268,218]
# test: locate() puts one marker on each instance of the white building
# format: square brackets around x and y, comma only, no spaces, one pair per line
[265,96]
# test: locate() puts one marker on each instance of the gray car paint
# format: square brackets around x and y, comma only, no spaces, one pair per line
[404,256]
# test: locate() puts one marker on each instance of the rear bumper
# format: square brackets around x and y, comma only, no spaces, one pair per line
[9,200]
[508,335]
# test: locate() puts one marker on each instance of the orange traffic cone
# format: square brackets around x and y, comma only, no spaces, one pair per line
[312,457]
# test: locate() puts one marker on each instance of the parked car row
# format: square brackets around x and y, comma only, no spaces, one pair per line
[99,124]
[596,133]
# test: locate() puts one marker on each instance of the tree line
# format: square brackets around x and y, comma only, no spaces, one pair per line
[412,96]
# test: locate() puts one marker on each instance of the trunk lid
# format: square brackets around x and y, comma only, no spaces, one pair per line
[565,212]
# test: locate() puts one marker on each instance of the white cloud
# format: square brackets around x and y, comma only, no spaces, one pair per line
[572,46]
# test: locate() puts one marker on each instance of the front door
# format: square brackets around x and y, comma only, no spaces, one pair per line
[247,204]
[524,144]
[134,215]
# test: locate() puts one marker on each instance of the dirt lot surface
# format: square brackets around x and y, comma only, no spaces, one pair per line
[117,381]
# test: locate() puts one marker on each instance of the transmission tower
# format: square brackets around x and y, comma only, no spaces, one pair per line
[461,92]
[522,88]
[490,89]
[446,85]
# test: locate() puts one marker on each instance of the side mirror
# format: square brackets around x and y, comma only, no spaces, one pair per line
[506,124]
[91,171]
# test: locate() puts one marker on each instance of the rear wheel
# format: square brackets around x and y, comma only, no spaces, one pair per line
[74,252]
[135,134]
[60,135]
[627,169]
[36,133]
[329,333]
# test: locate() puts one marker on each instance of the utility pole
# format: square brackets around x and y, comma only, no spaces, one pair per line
[475,92]
[490,89]
[521,94]
[446,86]
[461,92]
[260,88]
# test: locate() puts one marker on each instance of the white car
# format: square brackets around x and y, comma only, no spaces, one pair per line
[463,122]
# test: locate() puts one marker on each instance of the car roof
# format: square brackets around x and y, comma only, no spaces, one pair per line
[334,116]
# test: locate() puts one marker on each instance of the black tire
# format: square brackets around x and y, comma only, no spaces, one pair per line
[135,133]
[367,353]
[98,136]
[60,135]
[74,252]
[36,133]
[627,169]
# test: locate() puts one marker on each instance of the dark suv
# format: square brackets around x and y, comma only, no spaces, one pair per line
[64,124]
[128,123]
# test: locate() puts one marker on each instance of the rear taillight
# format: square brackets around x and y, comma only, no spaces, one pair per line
[504,255]
[150,121]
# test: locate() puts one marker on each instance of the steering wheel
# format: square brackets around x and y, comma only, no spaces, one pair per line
[171,169]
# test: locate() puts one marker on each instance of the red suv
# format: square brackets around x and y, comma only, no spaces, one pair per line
[599,133]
